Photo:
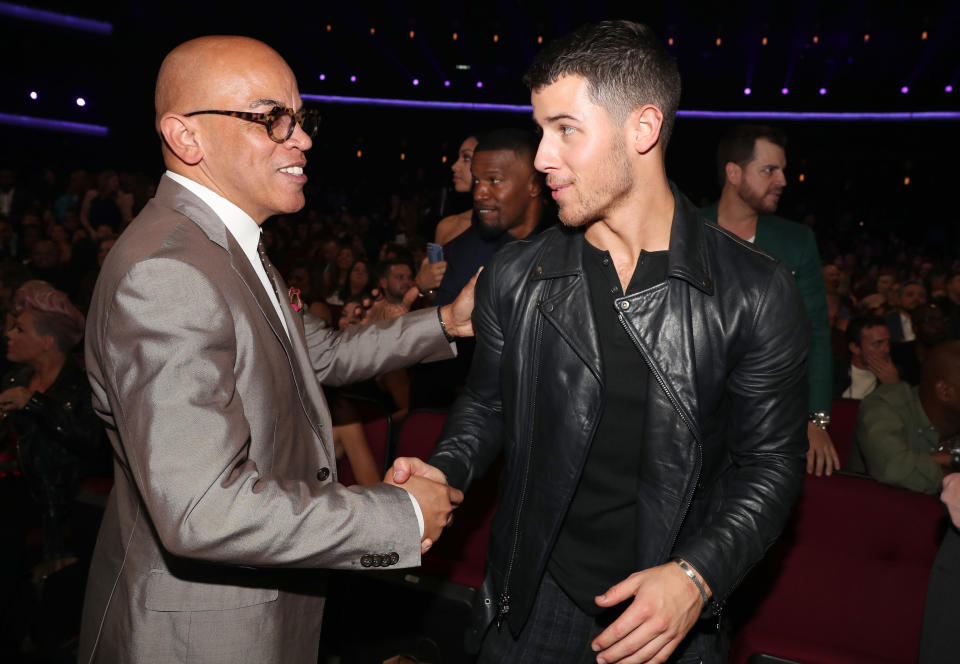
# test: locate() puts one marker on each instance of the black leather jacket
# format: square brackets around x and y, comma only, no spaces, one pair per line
[724,437]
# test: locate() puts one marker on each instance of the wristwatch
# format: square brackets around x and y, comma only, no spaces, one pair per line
[821,419]
[955,458]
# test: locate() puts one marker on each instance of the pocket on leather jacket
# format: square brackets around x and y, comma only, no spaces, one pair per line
[166,592]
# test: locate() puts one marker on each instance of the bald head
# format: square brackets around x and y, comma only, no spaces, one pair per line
[196,72]
[942,363]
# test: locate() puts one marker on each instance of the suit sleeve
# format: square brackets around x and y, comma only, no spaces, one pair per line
[820,363]
[168,348]
[882,438]
[342,357]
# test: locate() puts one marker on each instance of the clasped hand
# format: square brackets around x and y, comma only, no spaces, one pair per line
[429,487]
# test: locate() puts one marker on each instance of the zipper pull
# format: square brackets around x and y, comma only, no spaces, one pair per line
[503,607]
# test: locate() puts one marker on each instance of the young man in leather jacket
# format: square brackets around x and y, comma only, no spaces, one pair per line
[642,372]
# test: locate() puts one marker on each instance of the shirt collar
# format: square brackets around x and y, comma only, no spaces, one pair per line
[240,224]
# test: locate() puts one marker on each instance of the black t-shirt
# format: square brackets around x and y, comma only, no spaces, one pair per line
[597,544]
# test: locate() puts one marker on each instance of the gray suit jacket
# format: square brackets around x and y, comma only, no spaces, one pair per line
[224,460]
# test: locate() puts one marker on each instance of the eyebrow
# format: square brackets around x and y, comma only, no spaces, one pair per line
[256,103]
[562,116]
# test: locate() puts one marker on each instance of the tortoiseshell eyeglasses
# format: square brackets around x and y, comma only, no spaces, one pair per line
[280,121]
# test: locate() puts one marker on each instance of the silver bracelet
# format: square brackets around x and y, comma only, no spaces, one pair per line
[443,326]
[693,577]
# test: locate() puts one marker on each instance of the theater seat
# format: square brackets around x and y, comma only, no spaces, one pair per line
[843,423]
[847,581]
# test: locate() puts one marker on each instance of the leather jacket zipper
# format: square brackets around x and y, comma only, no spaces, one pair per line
[503,600]
[718,604]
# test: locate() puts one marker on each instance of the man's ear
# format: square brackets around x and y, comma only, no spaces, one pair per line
[944,391]
[643,128]
[733,172]
[535,186]
[180,136]
[853,348]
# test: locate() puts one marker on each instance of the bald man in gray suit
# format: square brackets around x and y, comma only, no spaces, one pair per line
[208,382]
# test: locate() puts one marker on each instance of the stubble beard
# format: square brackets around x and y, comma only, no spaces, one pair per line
[615,182]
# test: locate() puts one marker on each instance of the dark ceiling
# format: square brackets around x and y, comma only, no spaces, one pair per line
[862,53]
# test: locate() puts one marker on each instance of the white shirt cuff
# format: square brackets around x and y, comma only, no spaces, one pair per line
[416,508]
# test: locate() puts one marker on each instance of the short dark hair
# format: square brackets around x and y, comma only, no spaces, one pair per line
[737,145]
[625,65]
[521,142]
[383,268]
[858,324]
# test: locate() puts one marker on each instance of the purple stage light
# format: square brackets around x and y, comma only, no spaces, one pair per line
[81,101]
[904,90]
[55,18]
[323,77]
[353,79]
[446,84]
[747,91]
[416,81]
[479,84]
[784,91]
[949,88]
[914,116]
[61,126]
[823,91]
[33,95]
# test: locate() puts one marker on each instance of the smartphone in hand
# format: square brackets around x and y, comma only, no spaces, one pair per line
[434,252]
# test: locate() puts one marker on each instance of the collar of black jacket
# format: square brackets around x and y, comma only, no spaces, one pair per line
[687,253]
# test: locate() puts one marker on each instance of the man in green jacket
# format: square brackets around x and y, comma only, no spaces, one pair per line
[905,434]
[751,160]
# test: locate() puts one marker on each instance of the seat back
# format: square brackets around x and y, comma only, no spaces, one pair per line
[843,424]
[848,578]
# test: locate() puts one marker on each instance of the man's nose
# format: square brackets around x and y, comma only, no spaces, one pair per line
[299,138]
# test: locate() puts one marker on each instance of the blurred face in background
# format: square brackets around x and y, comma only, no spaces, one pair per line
[462,179]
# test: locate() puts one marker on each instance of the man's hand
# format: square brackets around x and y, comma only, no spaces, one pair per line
[406,467]
[666,604]
[437,502]
[951,496]
[457,315]
[430,275]
[822,456]
[881,366]
[14,399]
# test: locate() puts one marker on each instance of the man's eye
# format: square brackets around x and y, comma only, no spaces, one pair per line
[496,180]
[567,131]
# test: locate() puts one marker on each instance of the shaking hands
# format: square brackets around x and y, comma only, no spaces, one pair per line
[429,487]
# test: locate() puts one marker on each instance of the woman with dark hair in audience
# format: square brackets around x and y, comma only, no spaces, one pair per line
[359,282]
[46,413]
[337,275]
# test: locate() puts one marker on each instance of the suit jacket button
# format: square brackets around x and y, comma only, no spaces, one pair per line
[394,558]
[377,560]
[365,561]
[323,474]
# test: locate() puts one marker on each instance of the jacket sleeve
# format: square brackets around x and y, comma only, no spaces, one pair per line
[169,354]
[820,363]
[471,437]
[765,438]
[882,438]
[343,357]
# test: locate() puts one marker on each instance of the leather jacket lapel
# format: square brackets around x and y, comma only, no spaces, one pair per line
[565,302]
